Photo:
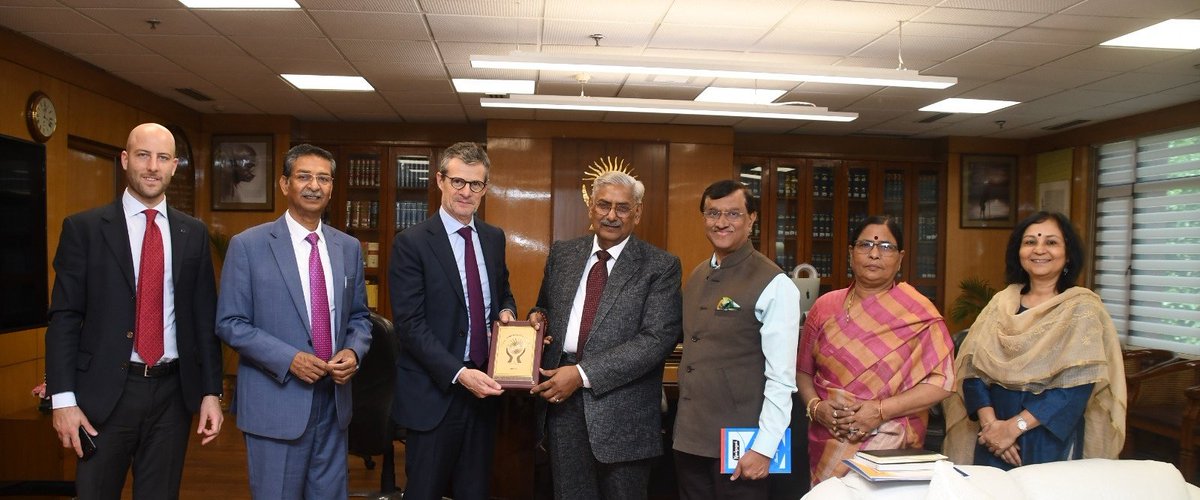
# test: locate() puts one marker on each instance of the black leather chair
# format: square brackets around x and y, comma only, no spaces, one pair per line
[371,429]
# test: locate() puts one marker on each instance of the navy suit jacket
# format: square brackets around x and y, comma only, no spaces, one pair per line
[262,314]
[430,311]
[93,310]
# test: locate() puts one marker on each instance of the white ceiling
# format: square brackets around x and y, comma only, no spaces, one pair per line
[1044,53]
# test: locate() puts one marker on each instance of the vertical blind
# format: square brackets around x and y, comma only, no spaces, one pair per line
[1147,239]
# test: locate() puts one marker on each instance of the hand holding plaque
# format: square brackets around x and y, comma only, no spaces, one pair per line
[516,354]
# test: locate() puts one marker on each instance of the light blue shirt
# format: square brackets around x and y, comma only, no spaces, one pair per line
[778,309]
[459,246]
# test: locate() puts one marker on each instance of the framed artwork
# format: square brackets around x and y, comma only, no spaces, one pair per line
[989,191]
[243,172]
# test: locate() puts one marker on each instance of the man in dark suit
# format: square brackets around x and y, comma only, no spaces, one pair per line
[130,350]
[298,318]
[612,306]
[448,282]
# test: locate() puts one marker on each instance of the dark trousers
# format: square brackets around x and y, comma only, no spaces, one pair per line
[148,428]
[458,452]
[577,473]
[700,478]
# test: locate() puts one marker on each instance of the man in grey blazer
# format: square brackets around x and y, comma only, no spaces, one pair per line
[299,321]
[611,304]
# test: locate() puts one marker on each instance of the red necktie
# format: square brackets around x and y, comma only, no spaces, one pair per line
[149,329]
[479,341]
[597,277]
[319,300]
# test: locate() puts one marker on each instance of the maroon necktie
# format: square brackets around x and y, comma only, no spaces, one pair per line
[597,277]
[150,293]
[479,342]
[319,302]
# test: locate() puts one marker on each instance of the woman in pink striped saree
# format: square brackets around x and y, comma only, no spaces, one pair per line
[873,357]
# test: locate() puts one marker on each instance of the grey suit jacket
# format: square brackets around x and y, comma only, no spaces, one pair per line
[637,325]
[261,313]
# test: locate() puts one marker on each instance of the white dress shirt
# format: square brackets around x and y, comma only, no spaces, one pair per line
[571,338]
[302,249]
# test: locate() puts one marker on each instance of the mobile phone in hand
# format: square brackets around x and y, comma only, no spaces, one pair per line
[87,444]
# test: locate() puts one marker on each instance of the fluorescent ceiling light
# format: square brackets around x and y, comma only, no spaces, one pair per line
[736,95]
[704,68]
[1169,34]
[478,86]
[329,82]
[957,105]
[240,4]
[665,106]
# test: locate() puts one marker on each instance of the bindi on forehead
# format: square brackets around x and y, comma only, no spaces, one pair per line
[876,237]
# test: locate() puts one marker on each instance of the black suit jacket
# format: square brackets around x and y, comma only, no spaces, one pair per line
[92,310]
[430,311]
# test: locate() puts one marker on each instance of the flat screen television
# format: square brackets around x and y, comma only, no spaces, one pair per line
[23,288]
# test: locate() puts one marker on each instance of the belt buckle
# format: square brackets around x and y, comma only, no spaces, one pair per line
[146,372]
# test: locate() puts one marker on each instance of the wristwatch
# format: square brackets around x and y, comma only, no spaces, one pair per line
[1022,424]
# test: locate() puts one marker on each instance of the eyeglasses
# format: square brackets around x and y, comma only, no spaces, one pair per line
[730,215]
[885,247]
[459,182]
[602,207]
[305,178]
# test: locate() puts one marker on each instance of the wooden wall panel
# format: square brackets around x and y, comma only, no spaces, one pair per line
[572,158]
[519,202]
[693,168]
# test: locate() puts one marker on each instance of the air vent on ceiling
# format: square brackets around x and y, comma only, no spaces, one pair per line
[1063,125]
[194,94]
[933,118]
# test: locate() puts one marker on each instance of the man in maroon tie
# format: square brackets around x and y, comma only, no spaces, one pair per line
[130,349]
[448,283]
[611,304]
[293,305]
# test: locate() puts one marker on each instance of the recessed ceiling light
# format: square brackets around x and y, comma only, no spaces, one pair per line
[665,106]
[739,95]
[957,105]
[1170,34]
[494,87]
[240,4]
[329,82]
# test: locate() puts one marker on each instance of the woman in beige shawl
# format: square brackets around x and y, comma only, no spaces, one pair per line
[1040,376]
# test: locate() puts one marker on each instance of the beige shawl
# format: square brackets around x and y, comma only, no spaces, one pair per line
[1064,342]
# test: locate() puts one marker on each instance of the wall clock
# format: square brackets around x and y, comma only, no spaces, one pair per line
[41,116]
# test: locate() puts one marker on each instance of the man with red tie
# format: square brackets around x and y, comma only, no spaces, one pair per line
[130,349]
[448,282]
[293,305]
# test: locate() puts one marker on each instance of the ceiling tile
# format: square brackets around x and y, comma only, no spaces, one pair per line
[1142,83]
[388,50]
[1044,6]
[117,63]
[853,17]
[927,48]
[363,5]
[484,29]
[764,14]
[572,78]
[1017,53]
[1056,35]
[466,71]
[592,89]
[1187,63]
[281,23]
[616,33]
[814,42]
[372,25]
[348,102]
[974,17]
[1124,8]
[79,44]
[1010,91]
[287,48]
[409,98]
[1115,26]
[682,36]
[48,20]
[658,92]
[461,52]
[633,11]
[523,8]
[189,45]
[374,116]
[309,67]
[133,21]
[1191,91]
[983,70]
[1112,59]
[235,65]
[1058,77]
[432,113]
[403,76]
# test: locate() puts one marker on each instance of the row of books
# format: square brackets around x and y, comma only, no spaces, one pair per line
[412,172]
[363,172]
[362,214]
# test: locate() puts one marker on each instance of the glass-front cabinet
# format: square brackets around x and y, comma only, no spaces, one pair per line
[378,192]
[814,203]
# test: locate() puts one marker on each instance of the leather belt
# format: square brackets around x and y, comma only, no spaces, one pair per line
[155,371]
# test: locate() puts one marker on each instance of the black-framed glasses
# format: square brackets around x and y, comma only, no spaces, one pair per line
[885,247]
[602,207]
[730,215]
[305,178]
[459,182]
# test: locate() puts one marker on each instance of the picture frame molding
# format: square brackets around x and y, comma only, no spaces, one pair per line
[264,146]
[971,164]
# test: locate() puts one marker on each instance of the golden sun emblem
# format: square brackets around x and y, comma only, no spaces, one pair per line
[600,167]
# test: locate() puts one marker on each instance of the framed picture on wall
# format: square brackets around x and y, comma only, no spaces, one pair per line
[989,191]
[243,172]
